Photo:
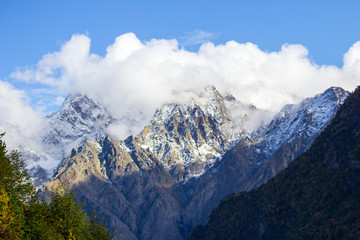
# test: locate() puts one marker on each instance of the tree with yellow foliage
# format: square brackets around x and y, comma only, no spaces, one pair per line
[10,224]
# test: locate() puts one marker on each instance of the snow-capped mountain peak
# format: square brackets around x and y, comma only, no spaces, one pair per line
[80,116]
[189,137]
[307,119]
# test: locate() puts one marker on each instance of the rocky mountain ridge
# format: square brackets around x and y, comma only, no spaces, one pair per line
[188,137]
[166,180]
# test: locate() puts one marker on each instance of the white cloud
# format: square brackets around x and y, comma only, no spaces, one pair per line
[124,46]
[351,66]
[18,119]
[139,76]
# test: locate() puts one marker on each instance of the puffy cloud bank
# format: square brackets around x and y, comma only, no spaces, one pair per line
[138,77]
[18,119]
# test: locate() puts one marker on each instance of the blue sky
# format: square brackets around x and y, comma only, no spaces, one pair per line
[29,30]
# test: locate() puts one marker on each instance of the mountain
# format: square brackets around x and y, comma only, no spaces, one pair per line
[81,117]
[163,182]
[316,197]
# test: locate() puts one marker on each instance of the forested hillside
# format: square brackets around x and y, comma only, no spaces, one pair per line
[316,197]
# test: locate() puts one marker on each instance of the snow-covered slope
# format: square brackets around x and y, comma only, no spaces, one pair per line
[304,120]
[81,117]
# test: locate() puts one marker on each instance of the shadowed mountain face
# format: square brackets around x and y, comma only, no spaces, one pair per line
[163,182]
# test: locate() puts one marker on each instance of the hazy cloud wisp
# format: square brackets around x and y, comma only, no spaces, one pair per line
[196,37]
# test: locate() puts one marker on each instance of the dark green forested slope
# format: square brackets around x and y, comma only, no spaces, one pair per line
[316,197]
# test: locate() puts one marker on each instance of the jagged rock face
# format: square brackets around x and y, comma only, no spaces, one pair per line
[189,138]
[166,180]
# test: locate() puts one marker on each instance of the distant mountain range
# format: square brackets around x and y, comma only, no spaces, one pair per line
[316,197]
[166,180]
